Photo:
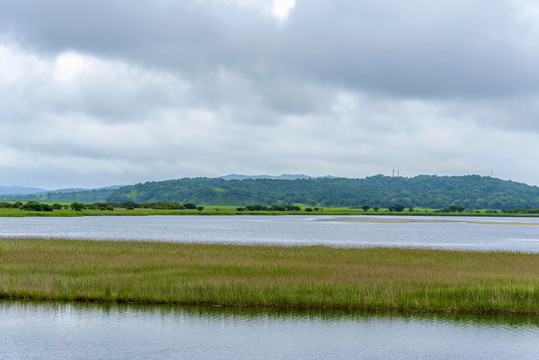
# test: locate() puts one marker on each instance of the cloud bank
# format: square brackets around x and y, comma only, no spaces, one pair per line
[118,92]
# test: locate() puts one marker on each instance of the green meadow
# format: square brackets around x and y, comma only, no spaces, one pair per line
[269,276]
[232,210]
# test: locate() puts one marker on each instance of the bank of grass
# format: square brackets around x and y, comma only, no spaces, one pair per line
[269,276]
[208,210]
[228,210]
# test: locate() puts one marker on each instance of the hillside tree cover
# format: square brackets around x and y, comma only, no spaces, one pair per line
[428,191]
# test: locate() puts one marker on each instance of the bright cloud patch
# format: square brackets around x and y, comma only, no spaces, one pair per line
[282,7]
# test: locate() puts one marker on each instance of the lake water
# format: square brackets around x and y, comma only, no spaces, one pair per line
[476,233]
[93,331]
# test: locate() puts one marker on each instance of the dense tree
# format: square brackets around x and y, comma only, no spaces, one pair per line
[129,205]
[77,206]
[522,211]
[396,207]
[453,208]
[36,206]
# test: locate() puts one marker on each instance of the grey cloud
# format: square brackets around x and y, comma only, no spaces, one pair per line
[513,114]
[418,48]
[291,95]
[204,88]
[110,91]
[187,35]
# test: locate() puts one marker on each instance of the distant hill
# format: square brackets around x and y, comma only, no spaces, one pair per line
[428,191]
[4,190]
[273,177]
[77,190]
[80,195]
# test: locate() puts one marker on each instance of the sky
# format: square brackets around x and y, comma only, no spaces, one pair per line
[97,93]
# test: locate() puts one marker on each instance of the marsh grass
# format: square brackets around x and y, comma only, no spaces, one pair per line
[231,210]
[269,276]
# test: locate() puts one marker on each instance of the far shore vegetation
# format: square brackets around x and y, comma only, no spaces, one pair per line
[269,276]
[424,191]
[65,209]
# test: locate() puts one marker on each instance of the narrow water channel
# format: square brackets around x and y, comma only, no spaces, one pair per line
[31,330]
[443,232]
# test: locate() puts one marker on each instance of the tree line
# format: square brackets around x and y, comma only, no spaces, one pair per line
[33,205]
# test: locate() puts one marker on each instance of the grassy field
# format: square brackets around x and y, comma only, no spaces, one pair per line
[269,276]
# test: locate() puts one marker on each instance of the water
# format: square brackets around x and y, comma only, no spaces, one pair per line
[514,234]
[93,331]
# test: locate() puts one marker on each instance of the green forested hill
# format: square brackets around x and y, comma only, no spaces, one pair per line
[471,191]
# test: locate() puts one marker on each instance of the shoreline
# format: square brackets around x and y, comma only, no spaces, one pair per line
[231,212]
[268,276]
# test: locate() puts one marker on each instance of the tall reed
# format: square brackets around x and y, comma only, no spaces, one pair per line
[279,276]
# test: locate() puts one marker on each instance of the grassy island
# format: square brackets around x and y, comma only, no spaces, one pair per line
[269,276]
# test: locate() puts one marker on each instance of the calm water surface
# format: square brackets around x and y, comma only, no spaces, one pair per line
[79,331]
[515,234]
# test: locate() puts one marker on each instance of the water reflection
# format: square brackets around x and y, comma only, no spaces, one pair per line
[79,331]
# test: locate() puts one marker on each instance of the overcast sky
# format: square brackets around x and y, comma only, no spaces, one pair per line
[103,92]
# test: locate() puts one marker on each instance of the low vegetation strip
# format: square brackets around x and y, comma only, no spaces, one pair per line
[269,276]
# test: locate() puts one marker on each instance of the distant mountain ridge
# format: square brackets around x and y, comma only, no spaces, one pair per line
[10,190]
[74,194]
[70,190]
[429,191]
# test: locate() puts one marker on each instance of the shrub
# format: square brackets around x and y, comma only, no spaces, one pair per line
[35,206]
[396,207]
[77,206]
